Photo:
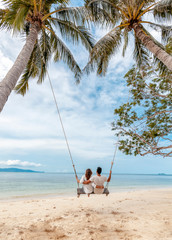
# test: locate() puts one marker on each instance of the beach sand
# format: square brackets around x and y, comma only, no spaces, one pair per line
[126,215]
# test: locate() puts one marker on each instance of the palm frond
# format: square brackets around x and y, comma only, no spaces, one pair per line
[20,18]
[31,71]
[77,15]
[99,9]
[168,47]
[166,31]
[70,31]
[16,15]
[43,69]
[103,50]
[125,41]
[37,64]
[102,65]
[45,51]
[107,44]
[140,54]
[163,10]
[3,21]
[163,68]
[35,7]
[153,39]
[83,15]
[61,52]
[23,86]
[137,3]
[157,61]
[160,65]
[45,45]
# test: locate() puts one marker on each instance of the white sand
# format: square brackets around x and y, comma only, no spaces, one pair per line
[128,216]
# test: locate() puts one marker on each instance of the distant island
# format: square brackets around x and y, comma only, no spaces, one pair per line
[18,170]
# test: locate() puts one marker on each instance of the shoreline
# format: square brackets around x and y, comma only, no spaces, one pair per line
[136,215]
[74,194]
[28,186]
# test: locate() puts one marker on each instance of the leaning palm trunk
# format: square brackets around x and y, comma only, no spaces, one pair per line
[10,80]
[152,47]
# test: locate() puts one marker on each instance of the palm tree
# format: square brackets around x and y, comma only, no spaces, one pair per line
[127,16]
[35,18]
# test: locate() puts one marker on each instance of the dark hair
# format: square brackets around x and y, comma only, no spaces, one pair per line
[88,173]
[99,170]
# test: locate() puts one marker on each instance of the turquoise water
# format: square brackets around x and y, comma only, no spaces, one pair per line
[17,185]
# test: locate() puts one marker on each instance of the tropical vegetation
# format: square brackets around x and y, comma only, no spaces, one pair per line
[129,19]
[45,24]
[144,123]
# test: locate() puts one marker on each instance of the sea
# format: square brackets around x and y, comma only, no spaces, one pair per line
[33,185]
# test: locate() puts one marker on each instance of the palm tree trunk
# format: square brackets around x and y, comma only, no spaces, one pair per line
[10,80]
[162,55]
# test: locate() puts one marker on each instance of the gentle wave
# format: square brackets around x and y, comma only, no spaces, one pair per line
[25,185]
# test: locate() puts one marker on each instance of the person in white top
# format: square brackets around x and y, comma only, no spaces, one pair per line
[98,181]
[88,187]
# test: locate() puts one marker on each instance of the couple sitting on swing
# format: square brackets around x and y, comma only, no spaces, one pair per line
[94,183]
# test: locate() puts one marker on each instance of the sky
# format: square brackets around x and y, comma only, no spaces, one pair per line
[31,136]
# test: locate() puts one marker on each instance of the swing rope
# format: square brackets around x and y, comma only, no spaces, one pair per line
[65,136]
[113,160]
[116,147]
[58,111]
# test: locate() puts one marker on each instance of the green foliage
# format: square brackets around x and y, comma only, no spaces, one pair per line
[140,53]
[53,20]
[83,15]
[16,13]
[145,122]
[70,31]
[126,40]
[124,15]
[61,52]
[103,51]
[169,46]
[32,70]
[102,10]
[163,10]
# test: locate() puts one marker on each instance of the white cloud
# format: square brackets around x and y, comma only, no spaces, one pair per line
[29,125]
[88,147]
[1,5]
[5,64]
[10,47]
[19,163]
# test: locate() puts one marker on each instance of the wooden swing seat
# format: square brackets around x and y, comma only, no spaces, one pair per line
[81,191]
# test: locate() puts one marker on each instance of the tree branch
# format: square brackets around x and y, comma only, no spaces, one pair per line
[157,113]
